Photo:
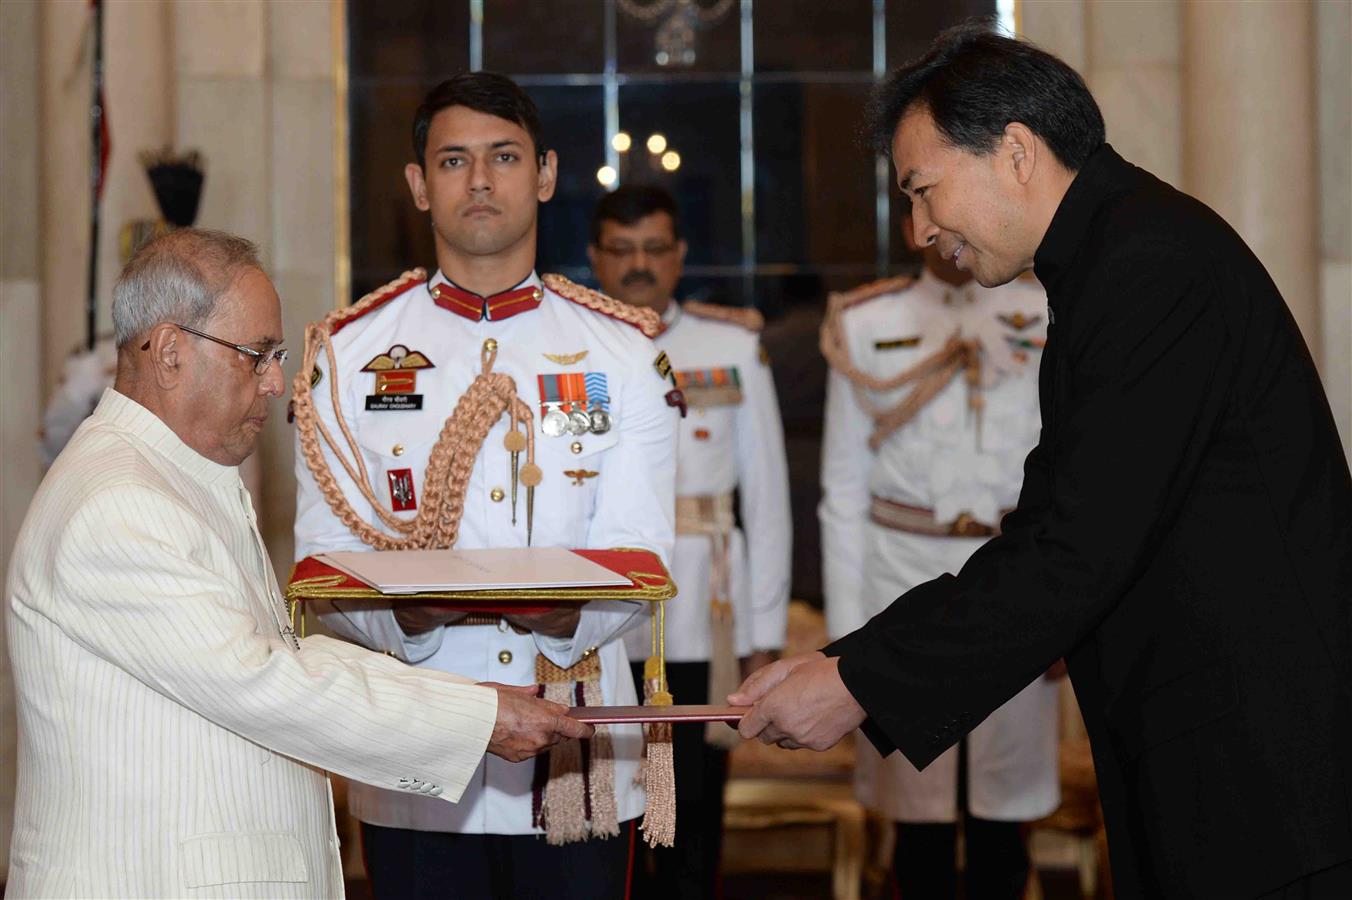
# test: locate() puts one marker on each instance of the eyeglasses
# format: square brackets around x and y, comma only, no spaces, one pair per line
[261,359]
[624,251]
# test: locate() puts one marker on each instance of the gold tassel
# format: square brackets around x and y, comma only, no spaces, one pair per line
[604,813]
[577,784]
[659,774]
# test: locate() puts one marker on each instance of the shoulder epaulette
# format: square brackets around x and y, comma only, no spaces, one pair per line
[645,320]
[341,318]
[748,317]
[843,300]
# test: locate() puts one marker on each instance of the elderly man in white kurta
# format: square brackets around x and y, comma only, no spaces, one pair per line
[916,474]
[173,732]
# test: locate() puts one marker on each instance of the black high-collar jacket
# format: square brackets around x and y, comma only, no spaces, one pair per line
[1183,539]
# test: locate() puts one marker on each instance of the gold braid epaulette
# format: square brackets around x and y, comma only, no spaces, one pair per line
[843,300]
[748,317]
[645,320]
[338,318]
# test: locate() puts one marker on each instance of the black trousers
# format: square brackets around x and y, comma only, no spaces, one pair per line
[434,865]
[925,860]
[690,868]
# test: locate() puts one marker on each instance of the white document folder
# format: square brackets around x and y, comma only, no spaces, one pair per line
[416,571]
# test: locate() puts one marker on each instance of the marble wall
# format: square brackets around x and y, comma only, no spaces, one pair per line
[1333,29]
[251,84]
[254,89]
[20,331]
[1245,105]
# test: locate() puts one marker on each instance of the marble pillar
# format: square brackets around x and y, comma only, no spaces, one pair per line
[1249,136]
[21,345]
[1333,24]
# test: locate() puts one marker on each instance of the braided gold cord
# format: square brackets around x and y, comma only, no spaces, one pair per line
[748,317]
[642,318]
[437,523]
[929,375]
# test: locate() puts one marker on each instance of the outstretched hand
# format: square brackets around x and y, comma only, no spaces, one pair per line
[527,725]
[798,702]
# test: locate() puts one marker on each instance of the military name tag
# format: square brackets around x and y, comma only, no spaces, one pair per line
[897,343]
[393,402]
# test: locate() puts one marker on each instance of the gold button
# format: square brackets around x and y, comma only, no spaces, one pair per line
[576,447]
[491,345]
[496,495]
[505,657]
[398,450]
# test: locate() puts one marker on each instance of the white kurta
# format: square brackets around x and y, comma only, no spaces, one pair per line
[721,449]
[626,501]
[937,461]
[173,735]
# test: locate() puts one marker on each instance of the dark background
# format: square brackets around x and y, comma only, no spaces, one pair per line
[780,203]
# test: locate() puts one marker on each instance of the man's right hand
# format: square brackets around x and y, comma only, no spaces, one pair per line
[527,725]
[417,619]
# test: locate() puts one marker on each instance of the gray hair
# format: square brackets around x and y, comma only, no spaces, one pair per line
[178,278]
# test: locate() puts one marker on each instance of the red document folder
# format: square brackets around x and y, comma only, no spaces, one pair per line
[620,715]
[649,581]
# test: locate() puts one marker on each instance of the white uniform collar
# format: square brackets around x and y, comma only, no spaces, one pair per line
[671,314]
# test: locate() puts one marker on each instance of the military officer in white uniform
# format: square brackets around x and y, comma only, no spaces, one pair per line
[604,430]
[932,405]
[734,582]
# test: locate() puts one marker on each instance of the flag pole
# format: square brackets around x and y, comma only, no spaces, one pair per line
[96,162]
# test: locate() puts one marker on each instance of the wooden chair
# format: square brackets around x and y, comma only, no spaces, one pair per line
[793,811]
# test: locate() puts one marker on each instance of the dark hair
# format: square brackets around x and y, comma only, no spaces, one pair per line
[974,82]
[630,202]
[485,92]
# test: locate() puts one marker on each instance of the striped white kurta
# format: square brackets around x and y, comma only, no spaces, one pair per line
[173,735]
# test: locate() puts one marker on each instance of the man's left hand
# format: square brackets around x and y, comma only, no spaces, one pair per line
[799,702]
[560,622]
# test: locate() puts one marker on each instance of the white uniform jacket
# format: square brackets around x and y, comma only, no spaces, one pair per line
[599,491]
[725,447]
[941,461]
[173,735]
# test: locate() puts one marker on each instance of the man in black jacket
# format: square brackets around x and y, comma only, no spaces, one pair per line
[1184,533]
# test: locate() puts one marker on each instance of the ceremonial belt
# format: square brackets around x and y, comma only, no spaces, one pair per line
[918,520]
[705,514]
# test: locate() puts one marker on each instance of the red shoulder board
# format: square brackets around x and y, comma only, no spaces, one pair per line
[645,320]
[376,299]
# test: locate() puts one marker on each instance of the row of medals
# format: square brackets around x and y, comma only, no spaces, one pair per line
[576,421]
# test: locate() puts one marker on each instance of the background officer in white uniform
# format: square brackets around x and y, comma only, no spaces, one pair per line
[607,481]
[733,582]
[916,474]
